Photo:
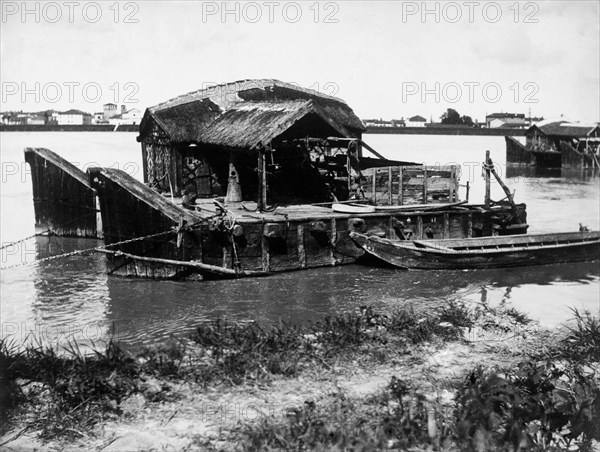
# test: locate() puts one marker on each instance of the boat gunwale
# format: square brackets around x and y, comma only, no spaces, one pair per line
[410,246]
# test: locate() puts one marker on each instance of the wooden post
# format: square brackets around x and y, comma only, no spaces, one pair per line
[468,189]
[265,253]
[446,225]
[487,180]
[401,186]
[390,185]
[375,186]
[333,241]
[424,185]
[470,224]
[301,249]
[451,189]
[99,229]
[262,181]
[419,227]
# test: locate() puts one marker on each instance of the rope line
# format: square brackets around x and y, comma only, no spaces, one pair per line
[88,250]
[229,222]
[46,232]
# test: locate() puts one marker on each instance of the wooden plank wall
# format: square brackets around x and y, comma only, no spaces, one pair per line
[420,184]
[64,201]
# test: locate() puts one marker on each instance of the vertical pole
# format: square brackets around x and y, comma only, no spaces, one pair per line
[180,247]
[470,224]
[262,181]
[375,186]
[400,186]
[390,185]
[446,225]
[487,180]
[424,185]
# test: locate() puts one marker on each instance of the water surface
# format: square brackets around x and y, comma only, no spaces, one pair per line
[74,298]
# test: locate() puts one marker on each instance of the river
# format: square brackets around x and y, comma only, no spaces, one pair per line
[73,298]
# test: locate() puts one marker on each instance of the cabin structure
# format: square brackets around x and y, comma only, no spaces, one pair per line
[214,139]
[557,144]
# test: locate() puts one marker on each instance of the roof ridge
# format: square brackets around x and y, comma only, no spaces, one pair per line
[238,86]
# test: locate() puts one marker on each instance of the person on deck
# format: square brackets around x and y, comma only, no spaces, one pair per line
[189,198]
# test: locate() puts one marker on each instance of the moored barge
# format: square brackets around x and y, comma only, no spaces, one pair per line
[240,180]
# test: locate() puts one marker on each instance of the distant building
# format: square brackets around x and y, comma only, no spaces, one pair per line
[547,137]
[132,117]
[11,118]
[533,120]
[513,120]
[36,120]
[110,110]
[74,117]
[98,118]
[416,121]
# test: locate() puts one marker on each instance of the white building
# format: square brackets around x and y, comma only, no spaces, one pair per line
[98,118]
[110,110]
[73,117]
[416,121]
[133,117]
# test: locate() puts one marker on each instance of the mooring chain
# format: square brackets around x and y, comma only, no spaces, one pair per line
[88,250]
[97,248]
[47,232]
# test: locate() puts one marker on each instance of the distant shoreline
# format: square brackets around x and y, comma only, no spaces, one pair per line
[445,131]
[71,128]
[370,130]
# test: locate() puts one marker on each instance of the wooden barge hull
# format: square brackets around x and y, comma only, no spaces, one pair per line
[489,252]
[518,154]
[572,158]
[64,201]
[186,244]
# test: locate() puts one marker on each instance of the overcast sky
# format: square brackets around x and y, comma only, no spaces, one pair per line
[386,59]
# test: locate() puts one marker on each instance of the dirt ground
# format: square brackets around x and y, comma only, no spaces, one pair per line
[197,418]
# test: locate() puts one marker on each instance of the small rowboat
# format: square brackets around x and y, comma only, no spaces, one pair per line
[485,252]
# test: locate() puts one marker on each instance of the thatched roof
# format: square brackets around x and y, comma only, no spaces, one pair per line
[565,129]
[246,113]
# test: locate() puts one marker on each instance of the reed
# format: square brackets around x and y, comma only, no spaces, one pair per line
[550,400]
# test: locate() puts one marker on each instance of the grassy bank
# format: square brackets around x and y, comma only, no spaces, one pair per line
[459,379]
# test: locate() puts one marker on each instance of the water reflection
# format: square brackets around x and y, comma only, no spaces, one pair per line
[65,299]
[584,174]
[154,311]
[73,298]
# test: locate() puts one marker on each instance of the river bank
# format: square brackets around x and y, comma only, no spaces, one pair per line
[460,379]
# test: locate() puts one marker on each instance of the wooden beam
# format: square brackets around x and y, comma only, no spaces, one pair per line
[301,249]
[262,181]
[400,185]
[487,201]
[390,185]
[425,185]
[197,265]
[373,151]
